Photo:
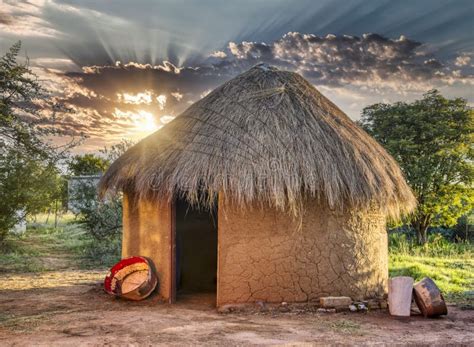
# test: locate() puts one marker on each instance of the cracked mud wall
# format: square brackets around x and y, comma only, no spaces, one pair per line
[265,255]
[147,232]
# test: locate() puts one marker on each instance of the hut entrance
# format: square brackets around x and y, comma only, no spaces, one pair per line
[195,250]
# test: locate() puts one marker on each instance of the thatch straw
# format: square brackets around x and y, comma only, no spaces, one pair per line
[268,136]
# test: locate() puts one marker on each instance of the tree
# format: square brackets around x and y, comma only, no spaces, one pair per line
[431,139]
[88,164]
[28,116]
[102,219]
[26,187]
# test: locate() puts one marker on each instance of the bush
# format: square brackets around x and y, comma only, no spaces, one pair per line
[101,219]
[437,246]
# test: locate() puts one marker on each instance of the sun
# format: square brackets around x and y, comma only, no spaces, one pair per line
[140,123]
[145,122]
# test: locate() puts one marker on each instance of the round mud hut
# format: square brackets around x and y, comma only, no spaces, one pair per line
[263,190]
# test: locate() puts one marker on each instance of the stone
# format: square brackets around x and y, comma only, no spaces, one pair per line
[326,310]
[261,306]
[383,304]
[284,308]
[229,308]
[352,308]
[335,301]
[373,304]
[225,309]
[361,307]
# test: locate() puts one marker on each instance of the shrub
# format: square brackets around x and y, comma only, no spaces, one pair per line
[437,246]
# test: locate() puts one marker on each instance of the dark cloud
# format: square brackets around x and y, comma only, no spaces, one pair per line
[371,60]
[337,60]
[110,97]
[95,32]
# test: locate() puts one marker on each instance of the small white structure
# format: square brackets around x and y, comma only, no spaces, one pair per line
[82,190]
[20,227]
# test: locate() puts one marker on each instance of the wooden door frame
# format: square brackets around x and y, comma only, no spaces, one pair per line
[173,282]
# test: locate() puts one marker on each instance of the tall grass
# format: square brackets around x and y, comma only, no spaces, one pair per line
[68,244]
[437,246]
[449,264]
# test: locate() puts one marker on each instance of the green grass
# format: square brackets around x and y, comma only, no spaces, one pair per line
[450,265]
[43,247]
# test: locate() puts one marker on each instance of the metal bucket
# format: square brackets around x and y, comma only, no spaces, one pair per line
[429,299]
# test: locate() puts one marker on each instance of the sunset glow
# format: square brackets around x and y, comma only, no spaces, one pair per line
[144,122]
[135,99]
[161,101]
[166,119]
[143,65]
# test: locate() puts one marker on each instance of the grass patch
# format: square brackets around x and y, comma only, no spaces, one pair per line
[44,248]
[450,265]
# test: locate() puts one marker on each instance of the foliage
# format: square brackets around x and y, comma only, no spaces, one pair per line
[26,187]
[102,219]
[29,180]
[87,164]
[431,138]
[463,228]
[438,246]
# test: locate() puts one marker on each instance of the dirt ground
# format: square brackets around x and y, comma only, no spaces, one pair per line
[52,309]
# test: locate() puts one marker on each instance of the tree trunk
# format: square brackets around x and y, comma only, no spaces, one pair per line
[467,230]
[56,215]
[421,225]
[422,235]
[47,218]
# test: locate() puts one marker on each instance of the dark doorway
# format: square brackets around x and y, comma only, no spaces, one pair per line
[196,249]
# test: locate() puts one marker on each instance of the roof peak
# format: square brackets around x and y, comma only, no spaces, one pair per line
[265,67]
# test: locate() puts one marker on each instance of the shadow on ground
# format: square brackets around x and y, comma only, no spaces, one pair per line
[75,314]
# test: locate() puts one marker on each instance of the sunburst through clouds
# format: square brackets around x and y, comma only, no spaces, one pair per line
[143,111]
[127,69]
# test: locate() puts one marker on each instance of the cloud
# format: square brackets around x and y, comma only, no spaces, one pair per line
[353,71]
[99,57]
[370,61]
[462,60]
[23,19]
[136,99]
[218,54]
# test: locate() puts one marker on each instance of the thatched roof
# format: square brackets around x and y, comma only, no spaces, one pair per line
[266,135]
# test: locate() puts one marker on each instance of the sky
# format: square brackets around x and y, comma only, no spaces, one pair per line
[126,68]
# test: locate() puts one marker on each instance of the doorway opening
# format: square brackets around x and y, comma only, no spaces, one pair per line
[195,252]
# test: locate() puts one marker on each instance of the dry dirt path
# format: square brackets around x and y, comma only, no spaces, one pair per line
[82,314]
